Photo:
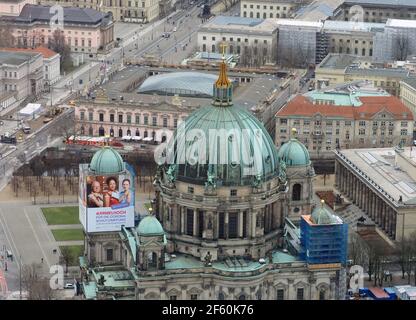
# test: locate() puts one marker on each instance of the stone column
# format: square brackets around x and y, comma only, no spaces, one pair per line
[240,224]
[253,224]
[383,216]
[195,231]
[182,211]
[389,218]
[377,210]
[226,225]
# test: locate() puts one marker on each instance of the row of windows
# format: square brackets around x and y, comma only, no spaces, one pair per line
[348,50]
[387,14]
[10,74]
[238,49]
[10,87]
[271,15]
[231,39]
[330,123]
[129,119]
[348,41]
[317,122]
[112,132]
[265,7]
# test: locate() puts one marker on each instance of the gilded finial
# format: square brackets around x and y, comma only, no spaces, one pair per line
[294,132]
[322,202]
[150,211]
[223,81]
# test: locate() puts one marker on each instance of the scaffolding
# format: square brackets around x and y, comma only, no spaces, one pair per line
[323,244]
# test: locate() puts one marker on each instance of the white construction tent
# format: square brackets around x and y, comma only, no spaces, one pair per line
[31,109]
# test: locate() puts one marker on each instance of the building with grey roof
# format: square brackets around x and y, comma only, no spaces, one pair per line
[84,29]
[382,182]
[21,75]
[255,40]
[379,11]
[339,68]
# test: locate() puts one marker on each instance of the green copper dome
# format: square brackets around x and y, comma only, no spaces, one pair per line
[221,144]
[242,151]
[106,161]
[150,226]
[294,153]
[321,215]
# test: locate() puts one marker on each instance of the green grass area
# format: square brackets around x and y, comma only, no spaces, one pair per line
[73,252]
[61,215]
[68,234]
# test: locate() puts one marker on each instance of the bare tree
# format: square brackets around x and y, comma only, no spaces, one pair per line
[357,250]
[37,287]
[402,47]
[6,37]
[66,257]
[57,43]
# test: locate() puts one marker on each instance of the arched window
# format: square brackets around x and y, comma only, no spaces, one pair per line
[90,131]
[145,134]
[82,130]
[111,132]
[322,294]
[129,132]
[101,132]
[120,132]
[152,259]
[213,48]
[296,192]
[221,296]
[242,297]
[137,133]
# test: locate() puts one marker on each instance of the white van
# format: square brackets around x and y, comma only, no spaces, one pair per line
[26,129]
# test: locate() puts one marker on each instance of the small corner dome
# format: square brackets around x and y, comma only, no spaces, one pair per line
[150,226]
[107,161]
[321,215]
[294,153]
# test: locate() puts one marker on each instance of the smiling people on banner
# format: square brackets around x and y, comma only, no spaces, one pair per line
[112,196]
[95,198]
[125,197]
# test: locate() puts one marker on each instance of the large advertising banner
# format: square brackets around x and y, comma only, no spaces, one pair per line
[109,201]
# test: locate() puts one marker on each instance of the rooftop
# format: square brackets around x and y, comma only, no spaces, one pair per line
[318,10]
[16,58]
[411,81]
[343,26]
[299,23]
[45,52]
[338,61]
[379,166]
[183,83]
[338,106]
[380,3]
[241,25]
[72,15]
[384,72]
[398,23]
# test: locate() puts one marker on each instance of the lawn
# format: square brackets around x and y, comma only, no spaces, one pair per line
[68,234]
[74,252]
[61,215]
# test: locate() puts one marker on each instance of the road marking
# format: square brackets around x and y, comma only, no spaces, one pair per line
[10,237]
[36,237]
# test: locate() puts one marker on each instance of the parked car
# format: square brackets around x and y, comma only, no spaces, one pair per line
[69,286]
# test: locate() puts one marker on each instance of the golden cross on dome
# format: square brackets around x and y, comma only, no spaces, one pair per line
[223,46]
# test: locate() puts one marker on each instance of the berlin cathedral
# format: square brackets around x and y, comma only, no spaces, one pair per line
[215,232]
